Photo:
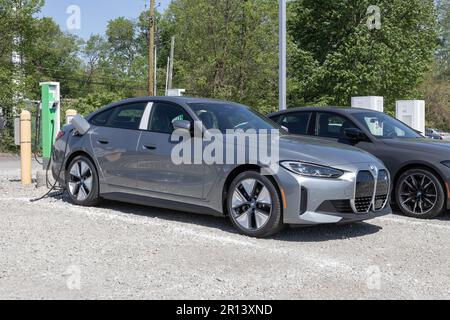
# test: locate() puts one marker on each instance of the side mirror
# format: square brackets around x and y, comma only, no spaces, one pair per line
[182,125]
[355,135]
[285,129]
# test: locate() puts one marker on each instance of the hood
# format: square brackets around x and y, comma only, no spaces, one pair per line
[426,145]
[322,152]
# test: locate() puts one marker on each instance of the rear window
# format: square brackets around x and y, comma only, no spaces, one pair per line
[127,117]
[102,118]
[296,123]
[121,117]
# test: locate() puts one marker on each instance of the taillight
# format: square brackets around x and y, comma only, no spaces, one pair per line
[60,135]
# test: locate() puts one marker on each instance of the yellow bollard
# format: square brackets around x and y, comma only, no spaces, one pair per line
[70,114]
[25,146]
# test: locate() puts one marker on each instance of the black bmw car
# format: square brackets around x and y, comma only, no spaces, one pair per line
[419,167]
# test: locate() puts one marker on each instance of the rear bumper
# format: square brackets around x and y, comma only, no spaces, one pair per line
[57,166]
[60,179]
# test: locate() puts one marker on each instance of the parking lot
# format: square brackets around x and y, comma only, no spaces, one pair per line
[54,250]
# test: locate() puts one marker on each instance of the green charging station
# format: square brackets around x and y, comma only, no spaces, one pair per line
[50,117]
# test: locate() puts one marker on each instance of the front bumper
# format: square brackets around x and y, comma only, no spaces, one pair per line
[312,201]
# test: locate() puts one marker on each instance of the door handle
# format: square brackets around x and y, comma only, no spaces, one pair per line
[103,141]
[148,147]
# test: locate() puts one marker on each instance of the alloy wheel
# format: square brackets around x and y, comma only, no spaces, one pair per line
[251,204]
[80,180]
[418,194]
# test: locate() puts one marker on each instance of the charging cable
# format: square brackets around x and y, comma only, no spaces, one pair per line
[38,132]
[54,186]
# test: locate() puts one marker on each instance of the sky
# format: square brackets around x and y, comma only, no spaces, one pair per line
[94,14]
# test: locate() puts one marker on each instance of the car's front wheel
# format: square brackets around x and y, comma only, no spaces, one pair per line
[420,194]
[82,182]
[254,205]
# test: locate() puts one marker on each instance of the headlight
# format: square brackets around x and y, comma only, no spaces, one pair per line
[311,170]
[446,163]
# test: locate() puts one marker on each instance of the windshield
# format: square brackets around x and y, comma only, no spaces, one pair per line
[223,116]
[385,127]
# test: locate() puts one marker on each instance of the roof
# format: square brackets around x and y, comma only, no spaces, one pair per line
[182,99]
[177,100]
[332,109]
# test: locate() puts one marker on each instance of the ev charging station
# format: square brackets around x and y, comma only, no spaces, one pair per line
[50,117]
[412,112]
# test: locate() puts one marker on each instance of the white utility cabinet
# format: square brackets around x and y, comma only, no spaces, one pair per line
[370,102]
[175,92]
[412,112]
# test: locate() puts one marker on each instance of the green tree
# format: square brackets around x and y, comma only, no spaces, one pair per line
[16,25]
[436,87]
[95,52]
[52,55]
[338,56]
[124,67]
[162,39]
[94,101]
[225,49]
[121,37]
[443,54]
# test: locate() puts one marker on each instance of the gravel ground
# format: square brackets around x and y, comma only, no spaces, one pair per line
[54,250]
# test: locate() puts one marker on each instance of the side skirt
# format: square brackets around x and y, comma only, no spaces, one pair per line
[160,203]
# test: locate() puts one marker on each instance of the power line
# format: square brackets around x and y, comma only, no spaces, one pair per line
[61,70]
[101,83]
[136,85]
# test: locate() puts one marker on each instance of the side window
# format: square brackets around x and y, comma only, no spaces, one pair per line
[102,118]
[163,116]
[296,123]
[127,116]
[208,119]
[331,125]
[276,119]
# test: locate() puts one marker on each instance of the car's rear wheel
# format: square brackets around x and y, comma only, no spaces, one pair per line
[420,194]
[82,182]
[254,205]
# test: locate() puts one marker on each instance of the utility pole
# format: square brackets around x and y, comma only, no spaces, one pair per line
[155,77]
[172,53]
[282,55]
[151,45]
[17,62]
[167,76]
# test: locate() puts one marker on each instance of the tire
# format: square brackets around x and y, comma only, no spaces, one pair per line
[419,194]
[254,205]
[82,182]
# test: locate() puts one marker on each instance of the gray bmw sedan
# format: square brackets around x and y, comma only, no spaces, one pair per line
[128,154]
[420,168]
